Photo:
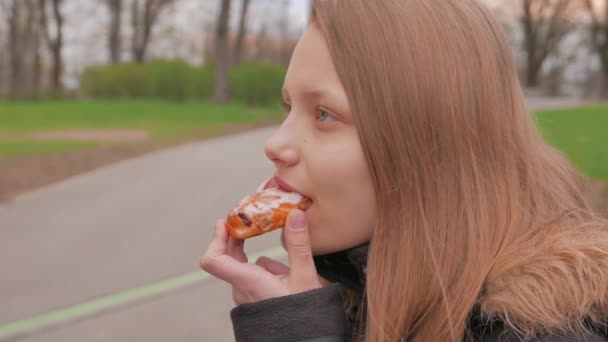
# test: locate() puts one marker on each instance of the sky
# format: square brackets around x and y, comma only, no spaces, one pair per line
[179,34]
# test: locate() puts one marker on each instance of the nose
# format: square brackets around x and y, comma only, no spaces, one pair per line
[281,148]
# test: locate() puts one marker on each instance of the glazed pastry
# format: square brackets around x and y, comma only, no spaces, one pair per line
[264,211]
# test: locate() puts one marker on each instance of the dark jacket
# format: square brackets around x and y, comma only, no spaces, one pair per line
[319,315]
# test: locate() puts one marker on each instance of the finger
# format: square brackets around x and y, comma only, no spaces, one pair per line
[272,266]
[220,239]
[297,240]
[235,249]
[227,268]
[217,262]
[217,247]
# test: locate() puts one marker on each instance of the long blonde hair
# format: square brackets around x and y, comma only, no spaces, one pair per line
[466,187]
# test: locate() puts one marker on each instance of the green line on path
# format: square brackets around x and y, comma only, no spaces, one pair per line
[116,299]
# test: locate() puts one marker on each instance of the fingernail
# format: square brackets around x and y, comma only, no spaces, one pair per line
[297,222]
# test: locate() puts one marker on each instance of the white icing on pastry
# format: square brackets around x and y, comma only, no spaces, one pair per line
[266,200]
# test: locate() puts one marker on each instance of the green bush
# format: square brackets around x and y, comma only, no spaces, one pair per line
[256,84]
[202,83]
[168,79]
[114,81]
[253,84]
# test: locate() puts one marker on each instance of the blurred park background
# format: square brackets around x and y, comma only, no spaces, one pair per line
[85,84]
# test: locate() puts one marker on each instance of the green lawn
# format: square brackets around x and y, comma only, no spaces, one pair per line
[16,147]
[165,121]
[582,134]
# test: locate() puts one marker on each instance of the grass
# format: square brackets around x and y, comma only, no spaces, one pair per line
[582,134]
[11,148]
[165,121]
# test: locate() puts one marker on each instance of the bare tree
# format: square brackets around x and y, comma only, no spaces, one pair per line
[221,86]
[564,57]
[14,44]
[209,40]
[31,40]
[261,43]
[544,23]
[21,53]
[273,42]
[36,47]
[599,37]
[238,49]
[114,41]
[23,45]
[283,25]
[55,44]
[4,69]
[144,15]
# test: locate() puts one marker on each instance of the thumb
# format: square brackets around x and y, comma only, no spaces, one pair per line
[303,274]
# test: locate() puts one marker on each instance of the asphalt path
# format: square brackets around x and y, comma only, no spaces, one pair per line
[112,255]
[133,225]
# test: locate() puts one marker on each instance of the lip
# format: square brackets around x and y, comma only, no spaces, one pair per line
[285,186]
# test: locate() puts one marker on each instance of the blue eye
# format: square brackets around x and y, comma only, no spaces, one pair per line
[324,116]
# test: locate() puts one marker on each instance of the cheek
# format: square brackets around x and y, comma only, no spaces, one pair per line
[342,226]
[344,210]
[336,166]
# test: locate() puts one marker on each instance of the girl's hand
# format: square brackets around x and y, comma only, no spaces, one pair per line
[267,278]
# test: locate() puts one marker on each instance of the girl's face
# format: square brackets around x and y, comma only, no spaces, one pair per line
[317,151]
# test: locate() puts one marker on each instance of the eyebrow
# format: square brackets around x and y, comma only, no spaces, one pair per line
[313,93]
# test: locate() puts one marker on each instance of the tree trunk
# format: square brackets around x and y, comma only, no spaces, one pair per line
[531,44]
[532,70]
[14,39]
[238,49]
[114,41]
[23,47]
[600,40]
[57,68]
[148,20]
[37,67]
[544,24]
[136,27]
[285,48]
[221,85]
[143,19]
[138,23]
[31,51]
[261,51]
[55,44]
